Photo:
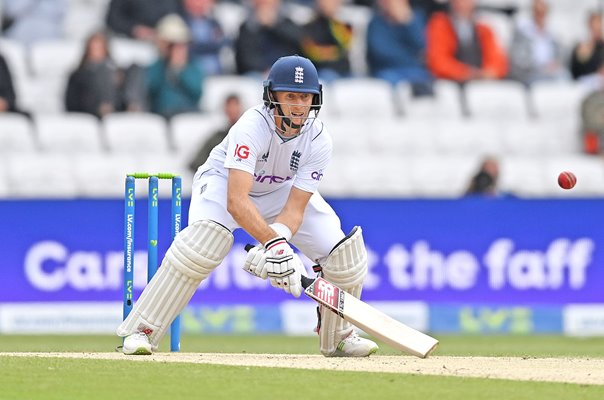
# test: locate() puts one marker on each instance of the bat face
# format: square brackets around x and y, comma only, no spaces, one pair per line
[327,294]
[371,320]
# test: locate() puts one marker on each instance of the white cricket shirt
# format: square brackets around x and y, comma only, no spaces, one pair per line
[252,145]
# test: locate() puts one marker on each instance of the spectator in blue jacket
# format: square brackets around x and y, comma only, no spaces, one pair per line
[137,19]
[207,36]
[173,82]
[396,44]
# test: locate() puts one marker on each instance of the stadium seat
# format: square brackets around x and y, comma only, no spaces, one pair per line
[402,136]
[497,100]
[537,137]
[68,133]
[347,176]
[51,63]
[217,88]
[468,136]
[55,57]
[136,133]
[103,175]
[368,97]
[350,135]
[44,95]
[555,100]
[84,17]
[41,175]
[446,102]
[172,164]
[523,175]
[191,130]
[126,52]
[4,188]
[441,176]
[16,134]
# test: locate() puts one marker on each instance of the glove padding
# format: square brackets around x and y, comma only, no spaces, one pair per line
[285,273]
[255,261]
[256,256]
[276,260]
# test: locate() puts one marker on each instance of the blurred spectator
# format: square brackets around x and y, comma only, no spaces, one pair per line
[207,36]
[429,7]
[7,91]
[535,53]
[137,19]
[232,110]
[173,82]
[266,35]
[97,86]
[460,48]
[326,41]
[592,122]
[588,56]
[28,21]
[396,44]
[484,182]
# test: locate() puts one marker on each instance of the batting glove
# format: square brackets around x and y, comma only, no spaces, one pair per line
[255,263]
[285,273]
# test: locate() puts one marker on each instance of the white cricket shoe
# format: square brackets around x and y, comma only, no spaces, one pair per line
[138,344]
[355,346]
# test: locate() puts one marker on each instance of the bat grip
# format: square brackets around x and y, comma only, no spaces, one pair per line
[306,281]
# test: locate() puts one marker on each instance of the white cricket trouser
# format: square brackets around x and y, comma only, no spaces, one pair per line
[319,232]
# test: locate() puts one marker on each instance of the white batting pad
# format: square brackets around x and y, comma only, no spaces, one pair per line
[345,267]
[194,253]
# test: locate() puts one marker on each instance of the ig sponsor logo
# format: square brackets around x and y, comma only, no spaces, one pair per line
[242,152]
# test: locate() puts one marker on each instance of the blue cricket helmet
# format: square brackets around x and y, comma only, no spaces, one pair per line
[293,74]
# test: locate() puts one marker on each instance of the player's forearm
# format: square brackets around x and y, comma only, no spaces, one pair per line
[292,214]
[291,220]
[245,213]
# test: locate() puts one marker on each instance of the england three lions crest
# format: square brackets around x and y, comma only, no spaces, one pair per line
[299,75]
[294,161]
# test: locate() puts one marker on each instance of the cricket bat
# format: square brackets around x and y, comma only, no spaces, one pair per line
[369,319]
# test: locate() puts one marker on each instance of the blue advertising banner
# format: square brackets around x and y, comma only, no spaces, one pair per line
[468,251]
[495,319]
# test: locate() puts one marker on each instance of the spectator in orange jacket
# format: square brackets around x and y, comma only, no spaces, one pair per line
[460,48]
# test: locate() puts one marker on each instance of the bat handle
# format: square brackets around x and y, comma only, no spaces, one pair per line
[306,281]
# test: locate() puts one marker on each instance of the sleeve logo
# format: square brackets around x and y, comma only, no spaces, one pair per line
[242,152]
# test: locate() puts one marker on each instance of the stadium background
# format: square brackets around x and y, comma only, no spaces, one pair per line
[528,262]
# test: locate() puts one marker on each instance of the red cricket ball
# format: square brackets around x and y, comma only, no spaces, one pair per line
[567,180]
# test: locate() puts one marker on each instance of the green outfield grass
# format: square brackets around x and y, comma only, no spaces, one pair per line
[451,345]
[37,378]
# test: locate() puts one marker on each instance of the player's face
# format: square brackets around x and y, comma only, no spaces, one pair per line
[294,105]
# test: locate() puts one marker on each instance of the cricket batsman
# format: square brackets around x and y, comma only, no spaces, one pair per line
[262,178]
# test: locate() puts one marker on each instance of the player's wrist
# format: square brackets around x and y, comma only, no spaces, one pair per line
[281,230]
[274,242]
